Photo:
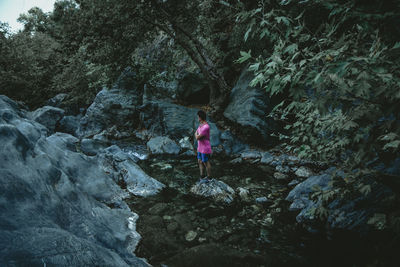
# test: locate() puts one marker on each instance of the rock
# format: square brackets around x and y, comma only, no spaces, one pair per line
[122,167]
[69,124]
[193,88]
[262,200]
[299,196]
[294,182]
[280,176]
[190,236]
[163,145]
[189,153]
[303,172]
[114,107]
[54,201]
[266,158]
[172,227]
[185,143]
[282,169]
[57,100]
[362,213]
[250,154]
[231,144]
[248,107]
[243,193]
[215,189]
[48,116]
[91,146]
[161,118]
[236,161]
[378,220]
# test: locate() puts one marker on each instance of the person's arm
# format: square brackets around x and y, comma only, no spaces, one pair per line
[198,136]
[202,132]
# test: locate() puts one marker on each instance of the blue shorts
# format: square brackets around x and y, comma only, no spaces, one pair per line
[203,157]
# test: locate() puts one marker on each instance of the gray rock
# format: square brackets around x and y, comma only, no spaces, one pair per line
[243,193]
[91,146]
[299,196]
[262,200]
[69,124]
[248,107]
[190,236]
[53,204]
[282,169]
[280,176]
[250,154]
[163,145]
[294,182]
[115,107]
[57,100]
[185,143]
[214,189]
[189,153]
[303,172]
[48,116]
[121,166]
[231,144]
[161,118]
[236,161]
[266,158]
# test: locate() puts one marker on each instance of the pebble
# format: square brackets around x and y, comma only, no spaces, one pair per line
[280,176]
[190,236]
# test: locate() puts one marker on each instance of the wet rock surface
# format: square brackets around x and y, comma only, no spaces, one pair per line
[55,202]
[256,229]
[182,229]
[214,189]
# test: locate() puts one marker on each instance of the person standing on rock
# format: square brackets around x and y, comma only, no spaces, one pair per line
[203,146]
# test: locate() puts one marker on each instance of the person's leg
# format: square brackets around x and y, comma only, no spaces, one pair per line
[208,168]
[201,167]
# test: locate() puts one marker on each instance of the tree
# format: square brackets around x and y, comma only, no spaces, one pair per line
[115,31]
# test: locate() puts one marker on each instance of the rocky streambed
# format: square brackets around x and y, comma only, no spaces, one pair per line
[256,229]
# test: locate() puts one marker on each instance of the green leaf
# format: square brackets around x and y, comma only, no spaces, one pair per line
[246,35]
[394,144]
[244,56]
[396,45]
[291,49]
[254,67]
[224,3]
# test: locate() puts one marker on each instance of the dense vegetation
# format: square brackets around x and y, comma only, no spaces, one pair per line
[335,63]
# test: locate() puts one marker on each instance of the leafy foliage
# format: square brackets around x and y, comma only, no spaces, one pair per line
[340,75]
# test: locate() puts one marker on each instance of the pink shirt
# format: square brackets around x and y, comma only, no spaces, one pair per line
[203,144]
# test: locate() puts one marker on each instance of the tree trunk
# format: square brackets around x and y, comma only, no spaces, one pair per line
[219,89]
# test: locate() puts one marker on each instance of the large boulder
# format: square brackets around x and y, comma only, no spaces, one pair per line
[193,88]
[214,189]
[113,107]
[57,100]
[231,144]
[122,167]
[69,124]
[249,107]
[161,118]
[48,116]
[55,204]
[361,211]
[163,145]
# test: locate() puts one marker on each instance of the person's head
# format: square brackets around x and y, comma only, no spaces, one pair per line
[202,115]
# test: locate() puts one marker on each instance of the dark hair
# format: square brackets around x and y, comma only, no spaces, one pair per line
[201,114]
